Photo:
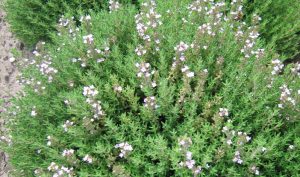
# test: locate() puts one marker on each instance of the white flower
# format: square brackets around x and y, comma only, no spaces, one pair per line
[87,158]
[49,141]
[118,89]
[53,167]
[190,163]
[198,170]
[229,142]
[88,17]
[184,69]
[125,148]
[248,138]
[90,91]
[68,152]
[67,125]
[181,47]
[33,113]
[188,155]
[291,147]
[12,59]
[223,112]
[88,39]
[190,74]
[36,53]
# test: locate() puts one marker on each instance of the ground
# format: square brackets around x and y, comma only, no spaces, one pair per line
[8,74]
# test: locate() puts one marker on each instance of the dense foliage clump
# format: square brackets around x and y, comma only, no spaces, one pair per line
[179,88]
[34,20]
[280,23]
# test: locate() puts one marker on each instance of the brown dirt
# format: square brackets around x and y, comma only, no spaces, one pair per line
[8,85]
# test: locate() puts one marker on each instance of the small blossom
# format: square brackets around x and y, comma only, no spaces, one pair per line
[68,152]
[49,143]
[53,167]
[125,149]
[291,147]
[277,66]
[150,102]
[88,39]
[33,112]
[181,47]
[90,91]
[12,59]
[190,74]
[223,112]
[113,5]
[87,158]
[254,170]
[140,50]
[237,158]
[67,125]
[118,89]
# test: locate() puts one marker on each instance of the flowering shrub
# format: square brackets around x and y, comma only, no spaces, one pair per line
[179,88]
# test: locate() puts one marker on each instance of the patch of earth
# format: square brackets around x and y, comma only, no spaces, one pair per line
[8,85]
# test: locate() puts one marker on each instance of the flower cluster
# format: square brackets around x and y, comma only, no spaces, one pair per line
[255,170]
[63,21]
[60,171]
[237,9]
[140,50]
[6,139]
[100,54]
[118,88]
[296,69]
[186,71]
[145,73]
[223,112]
[248,48]
[150,102]
[36,85]
[277,66]
[90,92]
[179,58]
[237,157]
[148,20]
[87,158]
[242,138]
[86,20]
[285,96]
[189,163]
[46,69]
[67,125]
[88,39]
[68,152]
[125,148]
[113,5]
[68,27]
[33,112]
[206,29]
[49,140]
[196,6]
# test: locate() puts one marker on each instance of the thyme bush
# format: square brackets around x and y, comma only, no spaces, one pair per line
[181,88]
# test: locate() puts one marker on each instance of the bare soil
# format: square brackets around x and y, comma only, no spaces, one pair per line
[8,85]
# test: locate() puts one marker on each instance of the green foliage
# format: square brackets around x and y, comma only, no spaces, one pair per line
[280,23]
[222,108]
[34,20]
